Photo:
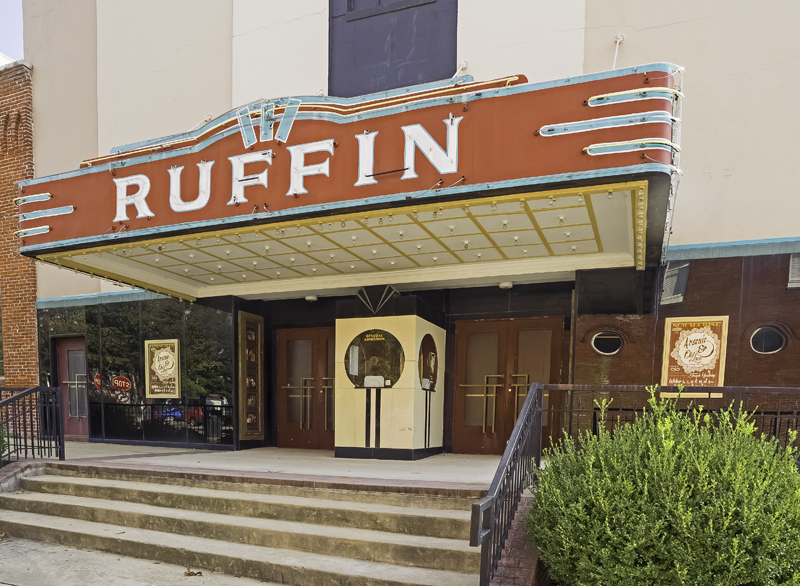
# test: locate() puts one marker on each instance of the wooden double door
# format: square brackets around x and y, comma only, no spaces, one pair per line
[305,401]
[496,362]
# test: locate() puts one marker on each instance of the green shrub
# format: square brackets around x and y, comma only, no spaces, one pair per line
[2,440]
[670,499]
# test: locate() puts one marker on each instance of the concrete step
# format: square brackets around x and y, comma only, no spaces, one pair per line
[361,544]
[422,499]
[264,563]
[448,524]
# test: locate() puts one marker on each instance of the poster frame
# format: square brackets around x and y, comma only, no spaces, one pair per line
[667,361]
[148,363]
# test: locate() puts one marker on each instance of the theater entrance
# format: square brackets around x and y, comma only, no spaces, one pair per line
[496,362]
[305,371]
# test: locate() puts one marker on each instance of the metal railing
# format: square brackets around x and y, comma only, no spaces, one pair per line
[210,425]
[32,424]
[775,410]
[493,514]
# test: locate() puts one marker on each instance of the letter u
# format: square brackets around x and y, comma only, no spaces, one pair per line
[204,192]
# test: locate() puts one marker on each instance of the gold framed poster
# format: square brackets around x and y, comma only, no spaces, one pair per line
[694,351]
[162,369]
[251,377]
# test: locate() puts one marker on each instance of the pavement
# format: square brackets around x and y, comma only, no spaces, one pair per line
[32,563]
[472,470]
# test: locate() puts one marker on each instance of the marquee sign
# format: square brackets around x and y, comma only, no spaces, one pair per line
[294,157]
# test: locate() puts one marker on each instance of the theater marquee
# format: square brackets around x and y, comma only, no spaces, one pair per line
[287,162]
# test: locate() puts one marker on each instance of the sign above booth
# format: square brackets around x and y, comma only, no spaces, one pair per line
[277,161]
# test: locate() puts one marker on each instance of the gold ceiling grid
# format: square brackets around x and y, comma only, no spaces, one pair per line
[530,225]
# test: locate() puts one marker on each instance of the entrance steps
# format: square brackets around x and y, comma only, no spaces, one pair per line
[272,532]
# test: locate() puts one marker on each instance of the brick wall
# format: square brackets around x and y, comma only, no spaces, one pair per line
[752,291]
[17,273]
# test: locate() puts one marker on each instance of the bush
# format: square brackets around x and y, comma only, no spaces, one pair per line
[670,499]
[2,440]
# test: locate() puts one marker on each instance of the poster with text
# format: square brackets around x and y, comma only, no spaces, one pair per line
[694,351]
[162,369]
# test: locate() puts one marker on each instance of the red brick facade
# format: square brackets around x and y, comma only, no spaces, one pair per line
[17,273]
[752,291]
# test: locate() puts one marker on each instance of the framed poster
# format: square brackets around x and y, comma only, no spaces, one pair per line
[251,378]
[162,369]
[694,351]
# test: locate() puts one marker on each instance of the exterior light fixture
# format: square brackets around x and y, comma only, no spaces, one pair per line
[311,298]
[506,284]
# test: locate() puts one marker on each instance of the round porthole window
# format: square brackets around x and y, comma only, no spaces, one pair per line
[607,343]
[767,340]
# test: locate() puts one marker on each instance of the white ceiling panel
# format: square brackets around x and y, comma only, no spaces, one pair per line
[352,238]
[519,238]
[396,234]
[309,243]
[480,255]
[435,259]
[187,271]
[292,259]
[415,247]
[452,227]
[191,256]
[441,234]
[505,222]
[316,270]
[566,248]
[245,276]
[457,243]
[333,256]
[253,263]
[356,266]
[566,233]
[267,248]
[530,251]
[374,251]
[226,252]
[562,217]
[400,262]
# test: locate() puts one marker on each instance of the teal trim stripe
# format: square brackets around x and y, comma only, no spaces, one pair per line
[97,299]
[733,249]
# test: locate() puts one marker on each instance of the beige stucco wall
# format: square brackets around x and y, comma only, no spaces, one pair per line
[279,49]
[160,75]
[739,121]
[53,282]
[541,39]
[60,43]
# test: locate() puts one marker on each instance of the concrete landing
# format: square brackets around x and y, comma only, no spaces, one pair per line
[459,468]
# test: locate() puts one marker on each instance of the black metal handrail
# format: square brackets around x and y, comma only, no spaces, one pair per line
[492,515]
[573,408]
[32,425]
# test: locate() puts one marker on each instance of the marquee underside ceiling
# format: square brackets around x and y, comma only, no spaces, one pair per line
[524,237]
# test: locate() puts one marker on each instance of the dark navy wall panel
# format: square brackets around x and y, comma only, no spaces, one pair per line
[377,45]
